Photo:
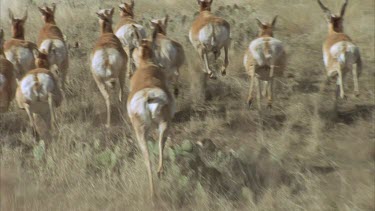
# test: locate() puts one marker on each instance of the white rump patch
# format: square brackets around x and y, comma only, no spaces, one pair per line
[28,82]
[214,36]
[345,52]
[258,46]
[21,58]
[107,63]
[128,37]
[147,104]
[2,81]
[58,54]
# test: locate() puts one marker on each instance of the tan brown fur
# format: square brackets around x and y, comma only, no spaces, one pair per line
[337,39]
[147,77]
[108,41]
[265,73]
[206,20]
[9,88]
[17,43]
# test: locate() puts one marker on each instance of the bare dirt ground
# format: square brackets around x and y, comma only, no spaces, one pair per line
[301,155]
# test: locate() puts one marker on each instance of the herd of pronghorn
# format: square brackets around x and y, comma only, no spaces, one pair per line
[35,73]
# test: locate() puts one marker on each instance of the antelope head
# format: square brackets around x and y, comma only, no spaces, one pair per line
[335,22]
[127,9]
[266,29]
[18,29]
[105,19]
[205,5]
[160,25]
[48,13]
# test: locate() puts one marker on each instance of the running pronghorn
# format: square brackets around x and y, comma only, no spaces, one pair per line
[51,37]
[108,60]
[39,94]
[169,54]
[210,33]
[129,32]
[150,103]
[7,78]
[17,50]
[264,59]
[340,54]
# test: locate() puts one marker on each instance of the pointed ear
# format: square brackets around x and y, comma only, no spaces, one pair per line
[326,11]
[11,16]
[112,11]
[24,16]
[211,1]
[41,11]
[274,21]
[343,8]
[53,7]
[166,19]
[132,3]
[100,16]
[260,24]
[154,22]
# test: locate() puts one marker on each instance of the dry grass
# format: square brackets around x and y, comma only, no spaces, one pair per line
[305,157]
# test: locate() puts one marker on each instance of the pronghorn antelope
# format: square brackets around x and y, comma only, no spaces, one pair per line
[264,59]
[7,78]
[108,60]
[129,32]
[39,94]
[17,50]
[51,37]
[340,54]
[150,103]
[210,33]
[169,54]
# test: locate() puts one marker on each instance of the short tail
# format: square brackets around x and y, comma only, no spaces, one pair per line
[342,56]
[267,51]
[212,35]
[2,81]
[138,35]
[155,102]
[37,87]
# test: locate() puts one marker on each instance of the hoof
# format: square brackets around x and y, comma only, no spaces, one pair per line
[224,71]
[250,102]
[176,92]
[269,106]
[160,174]
[212,76]
[356,94]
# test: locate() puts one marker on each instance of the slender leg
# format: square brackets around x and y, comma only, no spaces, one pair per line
[121,80]
[355,79]
[226,60]
[340,83]
[163,131]
[51,110]
[140,131]
[204,56]
[270,87]
[265,88]
[31,119]
[250,98]
[105,94]
[259,93]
